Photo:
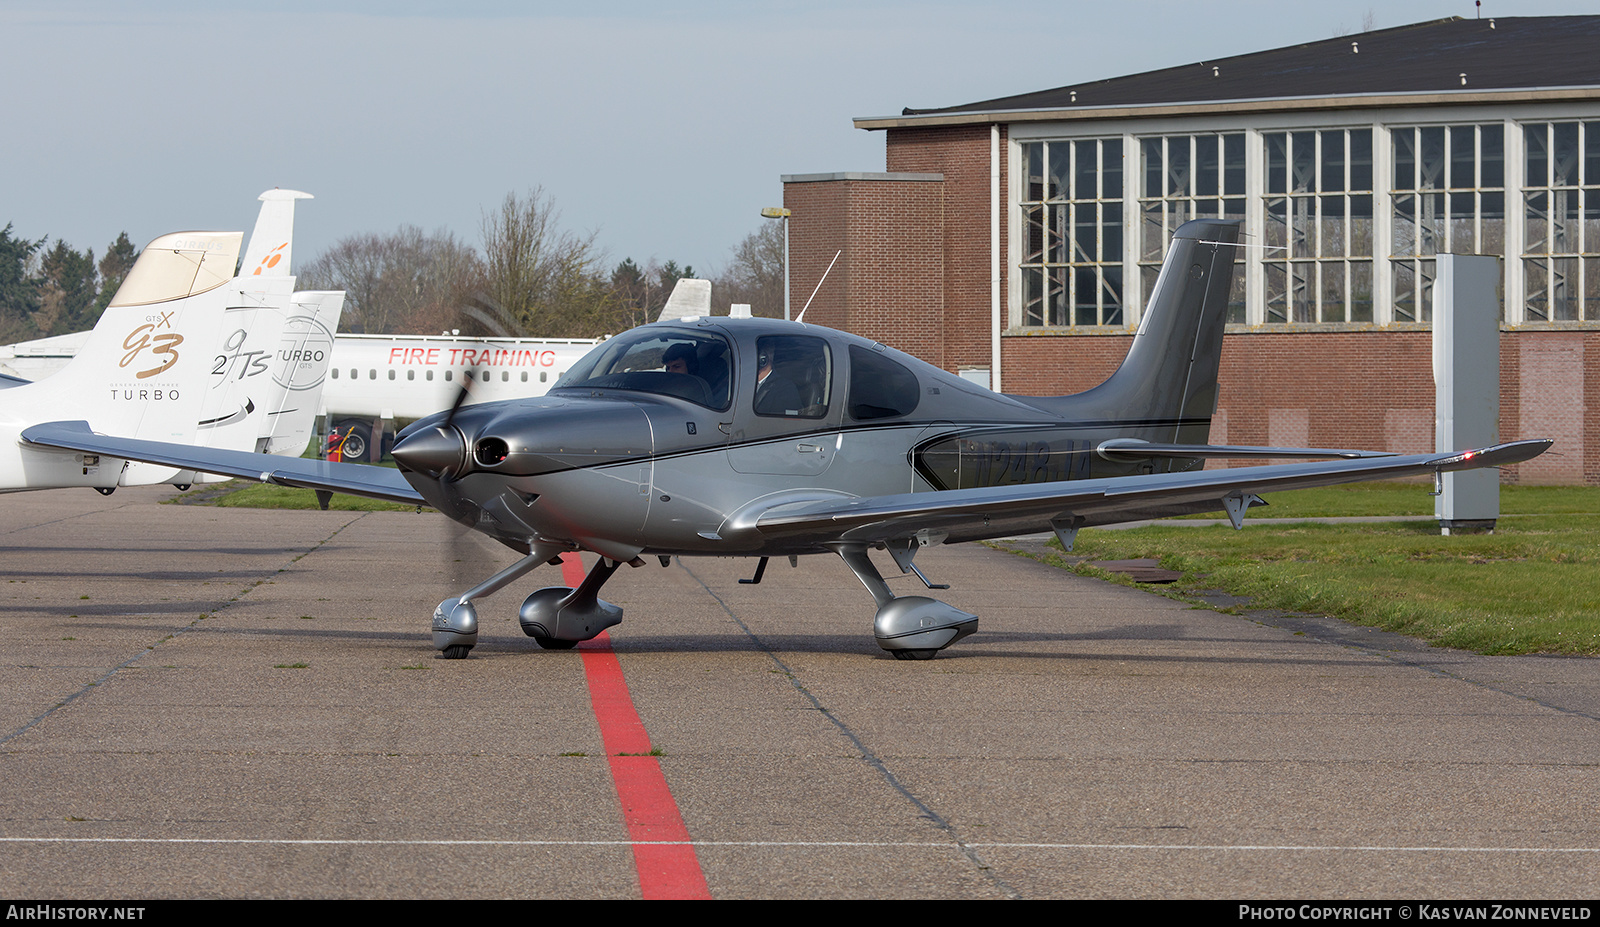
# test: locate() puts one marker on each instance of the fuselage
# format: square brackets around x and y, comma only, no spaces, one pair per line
[627,455]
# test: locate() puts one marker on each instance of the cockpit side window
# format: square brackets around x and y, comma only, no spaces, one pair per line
[880,387]
[670,362]
[794,374]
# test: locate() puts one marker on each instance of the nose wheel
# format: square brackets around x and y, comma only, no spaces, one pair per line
[455,621]
[455,628]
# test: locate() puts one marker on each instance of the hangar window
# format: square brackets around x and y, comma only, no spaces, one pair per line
[1072,233]
[1189,177]
[1561,209]
[1448,196]
[1317,259]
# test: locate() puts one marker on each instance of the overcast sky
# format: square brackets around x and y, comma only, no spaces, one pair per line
[663,127]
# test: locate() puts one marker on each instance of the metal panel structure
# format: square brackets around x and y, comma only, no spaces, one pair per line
[1466,377]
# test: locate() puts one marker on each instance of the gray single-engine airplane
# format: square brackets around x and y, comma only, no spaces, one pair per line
[761,438]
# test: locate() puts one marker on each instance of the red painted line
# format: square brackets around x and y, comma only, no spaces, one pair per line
[662,854]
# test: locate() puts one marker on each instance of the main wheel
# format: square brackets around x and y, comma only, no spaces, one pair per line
[551,643]
[914,654]
[455,652]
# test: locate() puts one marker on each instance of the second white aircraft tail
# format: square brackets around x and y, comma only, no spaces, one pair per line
[272,240]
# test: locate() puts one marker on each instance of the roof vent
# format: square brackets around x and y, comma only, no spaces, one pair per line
[1216,71]
[1355,48]
[1491,24]
[1074,98]
[1463,78]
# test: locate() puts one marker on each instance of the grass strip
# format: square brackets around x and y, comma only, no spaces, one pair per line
[1533,586]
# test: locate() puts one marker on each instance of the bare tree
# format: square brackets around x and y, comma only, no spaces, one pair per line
[544,278]
[405,281]
[755,274]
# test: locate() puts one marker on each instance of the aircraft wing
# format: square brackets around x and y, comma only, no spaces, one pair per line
[355,479]
[970,514]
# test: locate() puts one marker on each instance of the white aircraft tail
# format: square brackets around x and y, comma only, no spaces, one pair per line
[271,242]
[265,380]
[238,383]
[141,372]
[299,371]
[266,384]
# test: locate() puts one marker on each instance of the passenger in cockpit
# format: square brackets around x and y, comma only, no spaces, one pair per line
[775,393]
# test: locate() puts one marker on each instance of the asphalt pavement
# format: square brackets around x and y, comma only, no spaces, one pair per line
[205,702]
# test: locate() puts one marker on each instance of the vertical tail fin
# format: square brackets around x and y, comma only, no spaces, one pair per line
[158,332]
[141,372]
[690,297]
[299,371]
[247,392]
[1166,388]
[271,242]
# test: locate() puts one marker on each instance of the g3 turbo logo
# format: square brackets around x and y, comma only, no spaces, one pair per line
[164,344]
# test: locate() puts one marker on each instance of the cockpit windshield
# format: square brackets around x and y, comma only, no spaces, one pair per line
[670,362]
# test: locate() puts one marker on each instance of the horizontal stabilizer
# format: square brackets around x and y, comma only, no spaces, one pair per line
[1132,449]
[355,479]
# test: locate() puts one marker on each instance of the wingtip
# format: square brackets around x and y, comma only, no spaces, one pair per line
[1498,455]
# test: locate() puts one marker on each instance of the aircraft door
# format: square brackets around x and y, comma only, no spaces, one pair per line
[785,417]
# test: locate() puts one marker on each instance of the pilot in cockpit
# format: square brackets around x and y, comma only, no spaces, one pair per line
[681,358]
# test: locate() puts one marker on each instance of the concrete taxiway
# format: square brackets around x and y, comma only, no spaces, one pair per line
[205,702]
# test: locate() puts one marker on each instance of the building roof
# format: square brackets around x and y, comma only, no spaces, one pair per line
[1444,56]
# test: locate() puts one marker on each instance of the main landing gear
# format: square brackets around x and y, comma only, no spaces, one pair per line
[911,627]
[556,617]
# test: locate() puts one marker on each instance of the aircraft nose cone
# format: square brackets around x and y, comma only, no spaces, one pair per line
[432,450]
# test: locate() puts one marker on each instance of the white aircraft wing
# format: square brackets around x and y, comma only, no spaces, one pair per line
[356,479]
[986,512]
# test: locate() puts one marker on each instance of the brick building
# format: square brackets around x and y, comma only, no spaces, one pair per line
[1014,240]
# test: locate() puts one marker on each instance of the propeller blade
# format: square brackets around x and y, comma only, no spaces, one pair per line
[461,396]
